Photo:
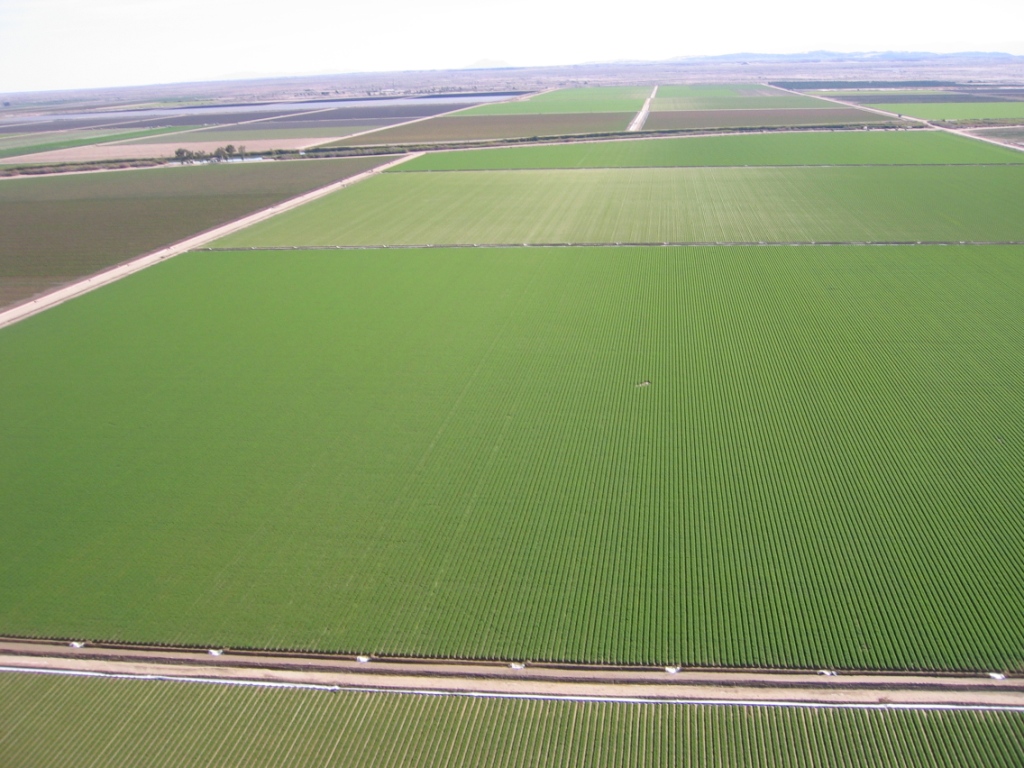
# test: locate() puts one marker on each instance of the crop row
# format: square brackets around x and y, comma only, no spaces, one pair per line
[824,148]
[642,205]
[49,720]
[773,457]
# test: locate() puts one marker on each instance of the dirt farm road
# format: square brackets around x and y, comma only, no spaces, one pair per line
[641,116]
[505,680]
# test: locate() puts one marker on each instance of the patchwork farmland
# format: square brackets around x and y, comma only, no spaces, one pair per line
[723,402]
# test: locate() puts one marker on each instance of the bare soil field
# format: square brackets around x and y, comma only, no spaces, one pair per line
[484,127]
[58,229]
[758,118]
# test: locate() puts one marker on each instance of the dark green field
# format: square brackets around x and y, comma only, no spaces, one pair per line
[51,721]
[59,228]
[483,127]
[770,457]
[820,148]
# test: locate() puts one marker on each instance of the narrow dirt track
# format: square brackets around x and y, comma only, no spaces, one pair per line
[504,680]
[641,116]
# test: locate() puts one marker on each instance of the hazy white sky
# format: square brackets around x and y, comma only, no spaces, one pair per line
[48,44]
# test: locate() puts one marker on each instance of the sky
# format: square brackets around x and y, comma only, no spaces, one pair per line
[64,44]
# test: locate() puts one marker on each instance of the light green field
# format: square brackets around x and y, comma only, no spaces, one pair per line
[448,453]
[49,721]
[958,110]
[679,98]
[825,148]
[571,100]
[830,204]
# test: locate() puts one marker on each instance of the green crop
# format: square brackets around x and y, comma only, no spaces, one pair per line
[769,457]
[645,205]
[824,148]
[54,720]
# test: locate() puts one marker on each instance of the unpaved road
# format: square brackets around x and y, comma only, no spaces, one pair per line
[59,296]
[641,116]
[496,679]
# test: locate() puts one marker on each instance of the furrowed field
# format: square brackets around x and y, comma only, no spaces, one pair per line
[483,127]
[569,100]
[59,721]
[645,205]
[773,457]
[825,148]
[699,120]
[60,228]
[713,97]
[958,110]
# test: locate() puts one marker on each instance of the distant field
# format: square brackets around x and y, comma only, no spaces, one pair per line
[449,453]
[50,720]
[60,228]
[826,148]
[699,97]
[570,100]
[661,204]
[464,127]
[21,140]
[758,118]
[861,95]
[1012,135]
[958,111]
[54,143]
[247,133]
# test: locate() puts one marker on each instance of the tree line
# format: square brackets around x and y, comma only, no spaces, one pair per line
[230,152]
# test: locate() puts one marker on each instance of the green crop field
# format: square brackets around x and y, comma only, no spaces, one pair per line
[454,453]
[958,110]
[49,721]
[569,100]
[59,228]
[601,205]
[825,148]
[700,97]
[484,127]
[695,120]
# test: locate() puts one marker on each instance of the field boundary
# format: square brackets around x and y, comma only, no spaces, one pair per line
[494,679]
[66,293]
[677,244]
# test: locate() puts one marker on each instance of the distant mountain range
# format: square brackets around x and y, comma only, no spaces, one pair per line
[813,56]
